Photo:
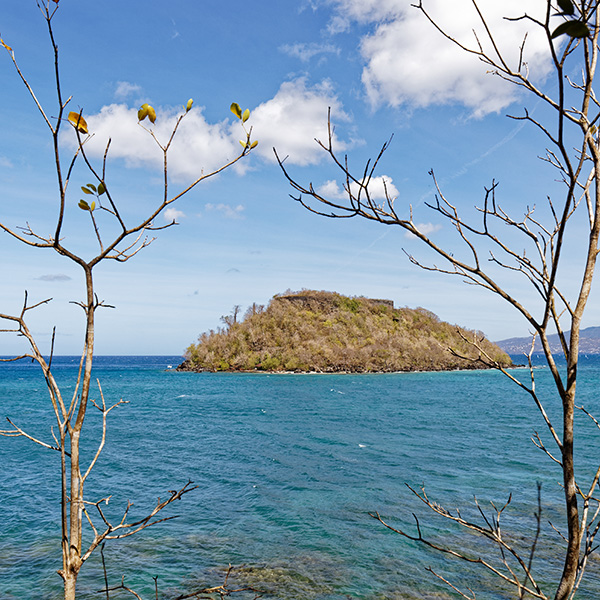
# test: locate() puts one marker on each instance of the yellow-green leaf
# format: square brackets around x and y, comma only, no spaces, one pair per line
[151,114]
[86,191]
[254,144]
[244,144]
[101,189]
[83,205]
[246,115]
[78,122]
[236,110]
[93,206]
[143,112]
[188,106]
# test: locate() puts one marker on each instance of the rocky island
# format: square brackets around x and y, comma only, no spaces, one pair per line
[313,331]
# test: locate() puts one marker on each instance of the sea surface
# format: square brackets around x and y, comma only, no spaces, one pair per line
[288,467]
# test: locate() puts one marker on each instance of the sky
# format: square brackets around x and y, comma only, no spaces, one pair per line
[378,65]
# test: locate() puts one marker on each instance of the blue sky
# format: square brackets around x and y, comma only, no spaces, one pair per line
[241,239]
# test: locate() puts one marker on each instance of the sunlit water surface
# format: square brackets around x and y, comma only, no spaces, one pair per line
[288,468]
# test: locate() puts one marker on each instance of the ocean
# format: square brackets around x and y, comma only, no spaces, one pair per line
[288,467]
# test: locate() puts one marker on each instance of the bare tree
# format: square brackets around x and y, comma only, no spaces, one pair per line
[230,320]
[130,238]
[571,29]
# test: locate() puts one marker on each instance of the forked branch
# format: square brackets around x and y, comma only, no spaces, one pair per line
[491,530]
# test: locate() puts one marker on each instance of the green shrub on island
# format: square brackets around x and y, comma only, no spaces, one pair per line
[327,332]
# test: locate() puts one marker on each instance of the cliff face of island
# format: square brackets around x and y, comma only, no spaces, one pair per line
[327,332]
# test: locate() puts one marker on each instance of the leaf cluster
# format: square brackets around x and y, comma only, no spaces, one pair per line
[329,332]
[243,116]
[92,190]
[574,28]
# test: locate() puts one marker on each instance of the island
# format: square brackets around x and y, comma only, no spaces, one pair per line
[326,332]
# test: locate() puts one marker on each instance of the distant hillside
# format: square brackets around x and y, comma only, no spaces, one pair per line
[590,343]
[328,332]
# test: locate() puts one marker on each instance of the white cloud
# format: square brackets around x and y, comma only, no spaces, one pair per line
[54,277]
[228,211]
[408,62]
[126,89]
[172,214]
[307,51]
[427,228]
[362,11]
[332,189]
[289,121]
[198,147]
[6,162]
[378,186]
[292,120]
[424,228]
[175,33]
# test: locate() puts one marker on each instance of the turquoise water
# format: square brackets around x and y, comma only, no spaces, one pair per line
[288,467]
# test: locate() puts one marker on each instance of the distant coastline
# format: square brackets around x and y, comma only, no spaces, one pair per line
[589,343]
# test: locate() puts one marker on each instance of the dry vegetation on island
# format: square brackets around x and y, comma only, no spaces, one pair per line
[328,332]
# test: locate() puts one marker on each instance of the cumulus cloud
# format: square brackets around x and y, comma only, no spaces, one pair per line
[289,121]
[172,214]
[307,51]
[408,62]
[293,118]
[228,211]
[198,147]
[332,189]
[378,186]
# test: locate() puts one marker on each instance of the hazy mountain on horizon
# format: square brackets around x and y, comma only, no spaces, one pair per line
[589,343]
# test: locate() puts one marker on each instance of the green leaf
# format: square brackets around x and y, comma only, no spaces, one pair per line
[188,106]
[236,110]
[254,144]
[101,189]
[574,29]
[86,191]
[83,205]
[246,115]
[566,6]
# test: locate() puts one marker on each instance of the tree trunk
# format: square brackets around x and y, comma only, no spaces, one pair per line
[70,583]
